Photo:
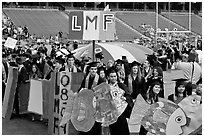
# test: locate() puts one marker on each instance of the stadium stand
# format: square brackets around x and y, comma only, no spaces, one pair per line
[183,20]
[135,19]
[40,22]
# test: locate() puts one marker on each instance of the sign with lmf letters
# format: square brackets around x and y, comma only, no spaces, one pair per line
[92,25]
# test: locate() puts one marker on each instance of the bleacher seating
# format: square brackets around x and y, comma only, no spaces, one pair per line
[183,20]
[39,22]
[135,19]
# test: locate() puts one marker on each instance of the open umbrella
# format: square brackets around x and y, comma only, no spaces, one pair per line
[114,51]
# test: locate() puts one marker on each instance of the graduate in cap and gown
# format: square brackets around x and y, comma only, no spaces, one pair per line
[90,81]
[70,66]
[121,126]
[120,70]
[135,81]
[59,66]
[180,90]
[99,58]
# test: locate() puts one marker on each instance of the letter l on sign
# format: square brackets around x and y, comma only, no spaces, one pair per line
[74,24]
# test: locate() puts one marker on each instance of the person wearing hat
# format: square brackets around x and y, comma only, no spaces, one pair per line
[151,98]
[70,66]
[180,90]
[91,80]
[157,73]
[120,70]
[99,58]
[13,60]
[23,77]
[121,126]
[135,81]
[84,61]
[59,66]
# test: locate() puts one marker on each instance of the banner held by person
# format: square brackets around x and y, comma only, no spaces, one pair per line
[10,91]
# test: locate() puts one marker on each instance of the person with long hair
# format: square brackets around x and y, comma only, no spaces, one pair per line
[135,81]
[152,97]
[180,90]
[35,72]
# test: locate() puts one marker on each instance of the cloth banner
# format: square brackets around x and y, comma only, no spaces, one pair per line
[24,91]
[35,103]
[10,91]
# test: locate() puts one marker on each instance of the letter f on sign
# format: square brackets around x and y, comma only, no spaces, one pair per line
[74,24]
[107,18]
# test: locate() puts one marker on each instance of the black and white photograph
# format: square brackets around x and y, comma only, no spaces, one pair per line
[101,68]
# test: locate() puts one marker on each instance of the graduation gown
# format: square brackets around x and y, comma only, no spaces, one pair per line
[121,126]
[96,129]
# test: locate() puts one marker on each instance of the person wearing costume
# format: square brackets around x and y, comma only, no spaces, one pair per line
[135,81]
[121,126]
[90,81]
[152,97]
[180,91]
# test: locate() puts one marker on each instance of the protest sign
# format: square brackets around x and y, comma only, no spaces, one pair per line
[10,91]
[10,43]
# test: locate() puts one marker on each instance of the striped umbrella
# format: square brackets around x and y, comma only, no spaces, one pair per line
[115,50]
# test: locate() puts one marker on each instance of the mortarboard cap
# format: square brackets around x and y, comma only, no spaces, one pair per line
[135,63]
[60,59]
[156,82]
[180,81]
[99,55]
[93,64]
[119,61]
[71,55]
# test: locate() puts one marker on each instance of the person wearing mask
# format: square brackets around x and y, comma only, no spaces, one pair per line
[121,126]
[180,91]
[135,81]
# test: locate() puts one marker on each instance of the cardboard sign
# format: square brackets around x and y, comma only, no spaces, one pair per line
[92,25]
[61,83]
[10,43]
[35,103]
[10,91]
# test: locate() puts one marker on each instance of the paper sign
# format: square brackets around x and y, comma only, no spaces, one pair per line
[10,43]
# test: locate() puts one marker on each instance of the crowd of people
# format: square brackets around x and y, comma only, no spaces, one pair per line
[133,77]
